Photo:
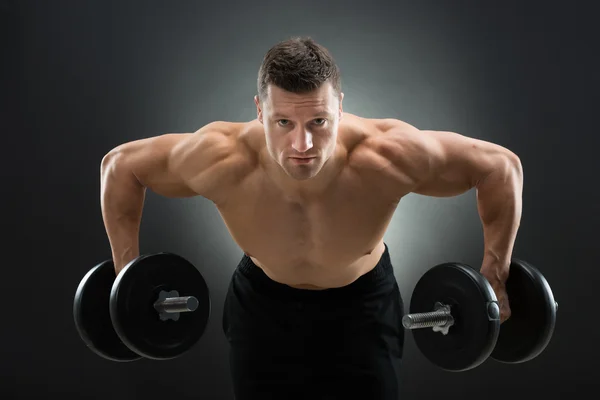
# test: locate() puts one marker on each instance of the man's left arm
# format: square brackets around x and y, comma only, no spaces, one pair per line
[442,164]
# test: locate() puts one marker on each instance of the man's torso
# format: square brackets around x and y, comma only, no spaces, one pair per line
[321,238]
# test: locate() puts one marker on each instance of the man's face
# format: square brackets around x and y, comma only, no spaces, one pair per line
[301,129]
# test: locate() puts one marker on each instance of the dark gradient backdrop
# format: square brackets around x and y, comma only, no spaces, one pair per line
[80,77]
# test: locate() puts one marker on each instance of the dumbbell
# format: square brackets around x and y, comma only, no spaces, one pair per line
[461,308]
[158,308]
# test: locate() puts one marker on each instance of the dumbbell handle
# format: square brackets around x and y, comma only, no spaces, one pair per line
[427,320]
[172,305]
[439,318]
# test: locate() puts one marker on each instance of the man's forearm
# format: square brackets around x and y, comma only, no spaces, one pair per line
[499,202]
[122,200]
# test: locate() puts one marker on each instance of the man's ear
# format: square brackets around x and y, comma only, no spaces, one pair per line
[259,113]
[341,110]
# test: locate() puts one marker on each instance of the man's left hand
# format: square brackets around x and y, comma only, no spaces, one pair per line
[500,290]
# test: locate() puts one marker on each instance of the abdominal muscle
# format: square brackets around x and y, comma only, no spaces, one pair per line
[322,276]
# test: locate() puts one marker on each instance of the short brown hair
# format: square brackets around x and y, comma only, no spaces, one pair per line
[298,65]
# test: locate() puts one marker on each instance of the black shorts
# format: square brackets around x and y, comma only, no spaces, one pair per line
[341,343]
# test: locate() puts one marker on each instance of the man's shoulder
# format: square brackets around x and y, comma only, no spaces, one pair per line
[242,137]
[378,152]
[219,157]
[226,129]
[374,134]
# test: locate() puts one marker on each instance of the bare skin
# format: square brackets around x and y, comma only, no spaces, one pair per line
[318,223]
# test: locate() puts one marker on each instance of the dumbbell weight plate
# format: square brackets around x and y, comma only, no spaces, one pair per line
[471,339]
[533,315]
[92,316]
[132,299]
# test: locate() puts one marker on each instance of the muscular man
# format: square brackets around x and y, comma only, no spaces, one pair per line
[313,308]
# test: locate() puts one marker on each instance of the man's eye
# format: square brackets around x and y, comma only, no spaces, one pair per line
[283,122]
[320,121]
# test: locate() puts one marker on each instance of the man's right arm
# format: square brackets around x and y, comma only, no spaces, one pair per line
[172,165]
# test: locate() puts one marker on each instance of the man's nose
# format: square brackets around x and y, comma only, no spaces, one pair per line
[302,141]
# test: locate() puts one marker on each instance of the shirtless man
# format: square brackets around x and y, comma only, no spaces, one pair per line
[313,308]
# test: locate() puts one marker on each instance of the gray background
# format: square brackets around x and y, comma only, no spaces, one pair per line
[80,77]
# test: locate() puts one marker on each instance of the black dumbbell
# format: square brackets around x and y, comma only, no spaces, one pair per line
[158,307]
[461,308]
